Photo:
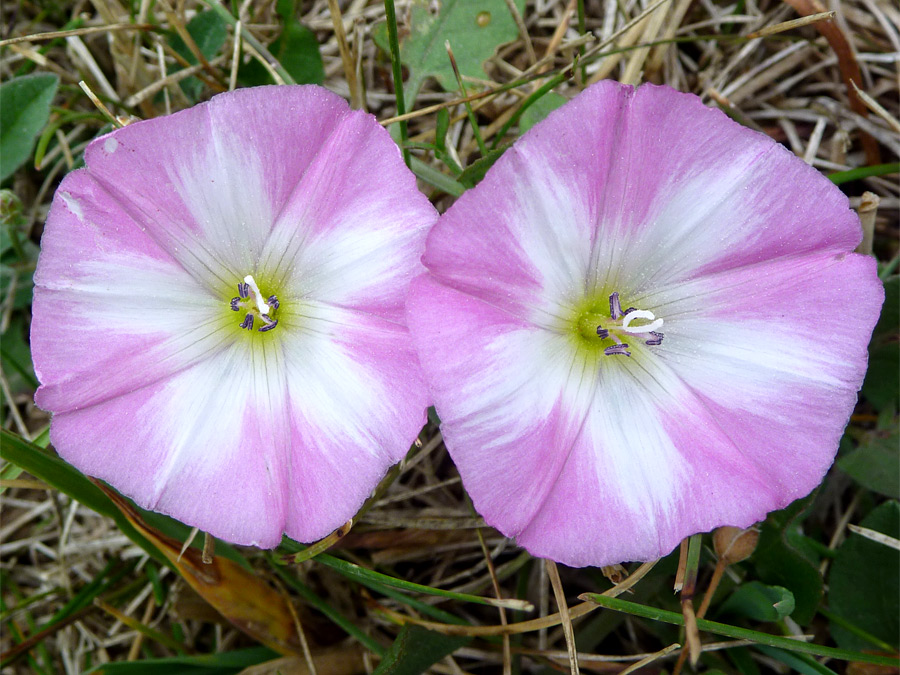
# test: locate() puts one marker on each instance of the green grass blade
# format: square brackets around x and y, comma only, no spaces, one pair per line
[738,633]
[361,574]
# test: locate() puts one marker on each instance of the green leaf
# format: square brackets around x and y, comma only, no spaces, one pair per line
[24,110]
[800,663]
[538,110]
[876,465]
[881,386]
[204,664]
[296,49]
[474,28]
[780,561]
[757,601]
[416,649]
[209,32]
[864,582]
[476,171]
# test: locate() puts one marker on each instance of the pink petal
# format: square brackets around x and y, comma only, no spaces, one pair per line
[591,459]
[112,311]
[344,438]
[153,385]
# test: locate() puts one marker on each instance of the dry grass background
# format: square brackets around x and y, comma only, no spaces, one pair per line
[791,85]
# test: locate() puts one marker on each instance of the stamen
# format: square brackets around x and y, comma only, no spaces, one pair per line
[615,309]
[656,340]
[270,323]
[273,302]
[617,349]
[234,304]
[641,314]
[602,333]
[263,307]
[243,291]
[247,322]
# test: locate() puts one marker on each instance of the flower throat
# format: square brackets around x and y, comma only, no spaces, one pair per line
[618,325]
[250,301]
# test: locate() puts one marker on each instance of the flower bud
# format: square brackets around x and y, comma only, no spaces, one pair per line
[733,544]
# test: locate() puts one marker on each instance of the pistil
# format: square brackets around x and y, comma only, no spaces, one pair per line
[250,300]
[622,322]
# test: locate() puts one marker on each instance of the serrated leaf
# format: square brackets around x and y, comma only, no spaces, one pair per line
[876,465]
[416,649]
[864,582]
[474,28]
[24,110]
[759,602]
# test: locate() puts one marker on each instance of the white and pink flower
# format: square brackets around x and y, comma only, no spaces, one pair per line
[646,322]
[219,313]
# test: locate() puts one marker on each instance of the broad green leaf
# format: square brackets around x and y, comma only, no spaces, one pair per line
[876,465]
[202,664]
[474,28]
[779,561]
[757,601]
[209,32]
[417,649]
[881,386]
[537,111]
[24,110]
[296,49]
[864,582]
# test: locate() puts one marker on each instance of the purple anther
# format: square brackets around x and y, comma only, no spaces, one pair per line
[247,322]
[617,349]
[268,326]
[244,290]
[629,311]
[615,309]
[273,302]
[655,340]
[602,333]
[234,304]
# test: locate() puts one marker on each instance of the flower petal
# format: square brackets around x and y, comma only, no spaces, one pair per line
[210,437]
[210,200]
[357,401]
[344,237]
[511,398]
[647,193]
[112,311]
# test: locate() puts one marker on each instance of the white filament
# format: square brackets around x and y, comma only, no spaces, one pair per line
[641,314]
[263,307]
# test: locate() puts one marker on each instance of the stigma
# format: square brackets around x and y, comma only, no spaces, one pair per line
[250,300]
[622,321]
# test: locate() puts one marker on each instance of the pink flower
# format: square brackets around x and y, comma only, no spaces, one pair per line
[218,313]
[644,323]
